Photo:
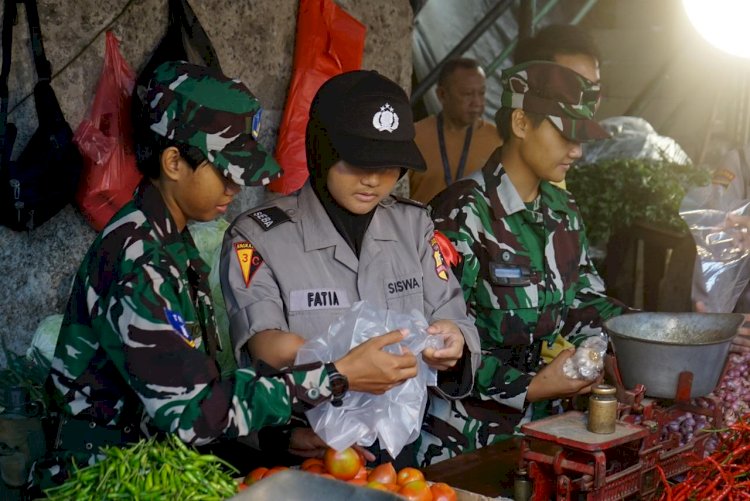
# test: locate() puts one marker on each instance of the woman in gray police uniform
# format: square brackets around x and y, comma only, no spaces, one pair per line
[290,268]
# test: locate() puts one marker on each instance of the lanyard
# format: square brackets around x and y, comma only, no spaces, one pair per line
[444,154]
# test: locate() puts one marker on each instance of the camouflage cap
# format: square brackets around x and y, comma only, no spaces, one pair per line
[565,97]
[201,107]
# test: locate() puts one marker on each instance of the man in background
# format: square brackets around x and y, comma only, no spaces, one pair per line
[456,141]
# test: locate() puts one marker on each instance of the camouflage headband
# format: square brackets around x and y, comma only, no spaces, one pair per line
[565,97]
[203,108]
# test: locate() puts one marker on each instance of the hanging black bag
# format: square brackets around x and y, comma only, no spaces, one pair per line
[44,178]
[185,40]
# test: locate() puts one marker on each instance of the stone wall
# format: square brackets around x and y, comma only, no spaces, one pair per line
[254,41]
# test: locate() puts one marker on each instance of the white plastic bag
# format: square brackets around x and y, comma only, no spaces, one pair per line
[395,418]
[588,360]
[45,338]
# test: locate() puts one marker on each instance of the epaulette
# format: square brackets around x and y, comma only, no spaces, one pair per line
[269,217]
[409,201]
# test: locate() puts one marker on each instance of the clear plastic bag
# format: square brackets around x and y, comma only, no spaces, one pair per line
[722,259]
[588,360]
[394,418]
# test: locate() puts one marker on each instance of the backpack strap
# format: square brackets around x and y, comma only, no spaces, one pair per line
[197,37]
[9,19]
[43,66]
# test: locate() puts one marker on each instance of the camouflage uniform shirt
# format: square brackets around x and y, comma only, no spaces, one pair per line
[545,285]
[132,348]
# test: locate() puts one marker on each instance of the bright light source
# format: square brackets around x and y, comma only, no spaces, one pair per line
[723,23]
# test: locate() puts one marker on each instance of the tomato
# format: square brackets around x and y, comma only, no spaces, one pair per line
[418,490]
[315,469]
[275,470]
[241,486]
[361,474]
[384,473]
[343,465]
[311,462]
[443,492]
[255,475]
[357,481]
[409,474]
[377,486]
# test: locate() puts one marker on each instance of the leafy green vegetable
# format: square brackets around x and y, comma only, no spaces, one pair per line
[613,194]
[28,373]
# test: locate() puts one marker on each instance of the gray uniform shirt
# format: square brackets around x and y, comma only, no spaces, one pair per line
[285,266]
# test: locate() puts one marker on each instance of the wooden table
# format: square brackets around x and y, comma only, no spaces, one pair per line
[488,471]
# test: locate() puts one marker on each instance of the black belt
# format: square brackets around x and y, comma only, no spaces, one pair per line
[85,435]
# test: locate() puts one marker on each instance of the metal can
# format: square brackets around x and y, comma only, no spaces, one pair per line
[522,487]
[602,409]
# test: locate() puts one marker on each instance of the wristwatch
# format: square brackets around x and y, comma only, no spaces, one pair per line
[339,384]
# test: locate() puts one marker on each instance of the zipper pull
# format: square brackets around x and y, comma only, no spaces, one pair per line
[19,207]
[16,185]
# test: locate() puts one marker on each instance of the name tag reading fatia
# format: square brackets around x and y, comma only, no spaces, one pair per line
[319,299]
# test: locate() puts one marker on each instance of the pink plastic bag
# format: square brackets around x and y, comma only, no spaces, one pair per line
[105,140]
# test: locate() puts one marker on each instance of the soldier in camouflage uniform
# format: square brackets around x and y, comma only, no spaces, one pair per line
[136,352]
[526,273]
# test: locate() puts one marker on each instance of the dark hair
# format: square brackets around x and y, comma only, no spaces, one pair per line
[321,153]
[502,121]
[451,65]
[553,40]
[148,149]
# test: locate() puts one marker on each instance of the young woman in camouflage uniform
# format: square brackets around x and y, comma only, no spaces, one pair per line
[136,352]
[526,273]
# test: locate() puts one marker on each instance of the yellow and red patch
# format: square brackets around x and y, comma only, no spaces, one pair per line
[723,177]
[440,268]
[249,259]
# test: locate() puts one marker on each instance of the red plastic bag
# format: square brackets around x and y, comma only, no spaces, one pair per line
[329,42]
[105,140]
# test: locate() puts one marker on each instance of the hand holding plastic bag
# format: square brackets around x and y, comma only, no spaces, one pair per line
[722,254]
[395,418]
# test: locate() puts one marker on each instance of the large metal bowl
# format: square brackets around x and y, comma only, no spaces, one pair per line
[654,348]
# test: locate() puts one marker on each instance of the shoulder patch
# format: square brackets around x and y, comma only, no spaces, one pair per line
[249,260]
[270,217]
[723,177]
[409,201]
[179,326]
